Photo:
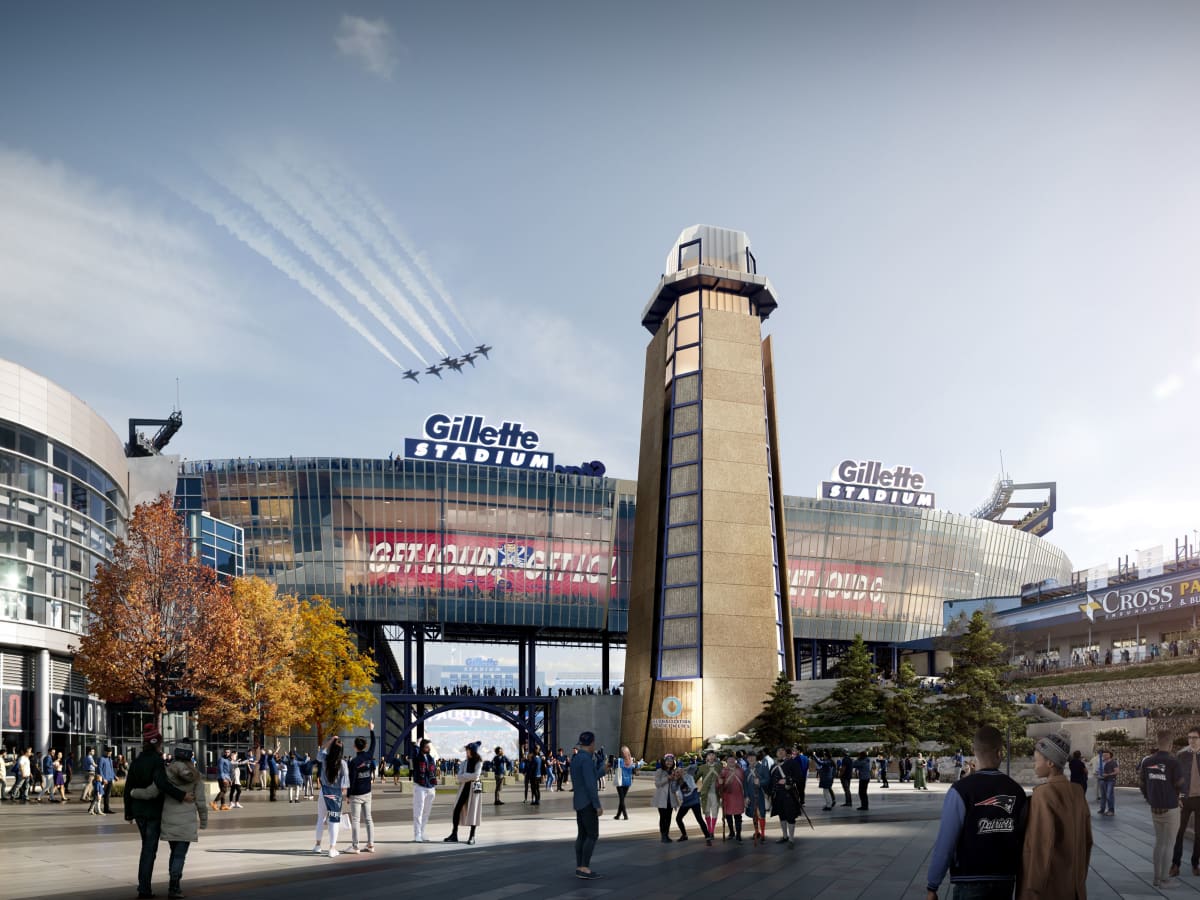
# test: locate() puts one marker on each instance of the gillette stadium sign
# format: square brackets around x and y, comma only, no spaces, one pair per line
[468,439]
[867,481]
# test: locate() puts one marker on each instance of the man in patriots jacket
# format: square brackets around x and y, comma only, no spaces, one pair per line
[983,827]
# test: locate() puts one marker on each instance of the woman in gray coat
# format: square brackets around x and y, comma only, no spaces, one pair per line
[179,819]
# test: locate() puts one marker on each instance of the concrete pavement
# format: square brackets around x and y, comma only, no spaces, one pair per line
[264,851]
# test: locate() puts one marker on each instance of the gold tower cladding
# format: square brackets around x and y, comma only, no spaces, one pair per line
[709,629]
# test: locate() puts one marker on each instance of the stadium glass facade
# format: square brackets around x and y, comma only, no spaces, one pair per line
[414,541]
[884,571]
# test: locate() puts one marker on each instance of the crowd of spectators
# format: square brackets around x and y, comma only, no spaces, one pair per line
[1121,699]
[466,690]
[1146,653]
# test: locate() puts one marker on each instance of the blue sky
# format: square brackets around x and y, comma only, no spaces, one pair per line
[980,219]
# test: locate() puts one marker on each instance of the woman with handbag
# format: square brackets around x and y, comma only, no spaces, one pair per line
[666,796]
[334,777]
[468,809]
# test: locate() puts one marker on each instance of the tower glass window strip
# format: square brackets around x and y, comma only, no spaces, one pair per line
[679,635]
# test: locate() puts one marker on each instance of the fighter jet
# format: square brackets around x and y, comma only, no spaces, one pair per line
[435,370]
[469,358]
[453,363]
[411,375]
[483,350]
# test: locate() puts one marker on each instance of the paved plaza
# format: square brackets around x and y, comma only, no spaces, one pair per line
[264,851]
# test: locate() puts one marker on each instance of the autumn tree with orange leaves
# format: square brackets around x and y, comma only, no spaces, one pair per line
[259,690]
[336,673]
[157,617]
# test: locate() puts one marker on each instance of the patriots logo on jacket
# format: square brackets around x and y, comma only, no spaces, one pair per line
[1005,802]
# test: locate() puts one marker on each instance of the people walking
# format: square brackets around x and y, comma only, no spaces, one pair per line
[1161,780]
[785,797]
[333,784]
[588,809]
[1189,801]
[845,774]
[148,769]
[981,834]
[500,767]
[758,781]
[224,780]
[362,771]
[690,801]
[1079,771]
[862,768]
[235,787]
[825,781]
[1108,784]
[179,819]
[468,808]
[624,780]
[293,777]
[425,778]
[1058,834]
[666,795]
[108,774]
[731,783]
[918,773]
[533,777]
[710,800]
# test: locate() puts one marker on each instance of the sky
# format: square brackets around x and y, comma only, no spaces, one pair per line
[980,221]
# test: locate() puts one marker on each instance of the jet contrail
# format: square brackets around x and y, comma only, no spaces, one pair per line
[363,213]
[277,214]
[315,210]
[265,246]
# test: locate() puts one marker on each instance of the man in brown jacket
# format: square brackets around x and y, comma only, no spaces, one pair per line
[1058,836]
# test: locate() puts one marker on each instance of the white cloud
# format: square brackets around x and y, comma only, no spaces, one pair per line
[370,43]
[1167,387]
[88,269]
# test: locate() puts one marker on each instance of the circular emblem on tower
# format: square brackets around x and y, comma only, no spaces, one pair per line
[672,707]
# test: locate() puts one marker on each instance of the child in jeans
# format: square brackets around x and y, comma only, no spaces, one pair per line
[97,796]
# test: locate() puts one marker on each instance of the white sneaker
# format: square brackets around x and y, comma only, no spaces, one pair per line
[351,849]
[333,852]
[316,848]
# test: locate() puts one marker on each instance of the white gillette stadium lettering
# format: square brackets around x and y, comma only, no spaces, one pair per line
[867,481]
[466,439]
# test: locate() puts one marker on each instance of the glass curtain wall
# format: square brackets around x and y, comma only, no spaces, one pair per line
[404,540]
[884,571]
[60,515]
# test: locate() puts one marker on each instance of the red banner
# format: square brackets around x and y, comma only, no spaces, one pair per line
[489,563]
[836,587]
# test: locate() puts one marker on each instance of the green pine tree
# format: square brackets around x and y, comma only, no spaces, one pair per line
[975,693]
[781,723]
[856,693]
[905,714]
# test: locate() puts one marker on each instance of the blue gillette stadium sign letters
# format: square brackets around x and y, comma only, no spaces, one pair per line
[867,481]
[467,439]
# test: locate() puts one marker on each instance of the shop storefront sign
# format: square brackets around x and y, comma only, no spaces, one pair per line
[868,481]
[1142,599]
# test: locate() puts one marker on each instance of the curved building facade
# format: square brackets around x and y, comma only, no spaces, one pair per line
[884,571]
[63,504]
[400,540]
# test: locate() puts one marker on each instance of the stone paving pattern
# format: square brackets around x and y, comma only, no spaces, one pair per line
[264,851]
